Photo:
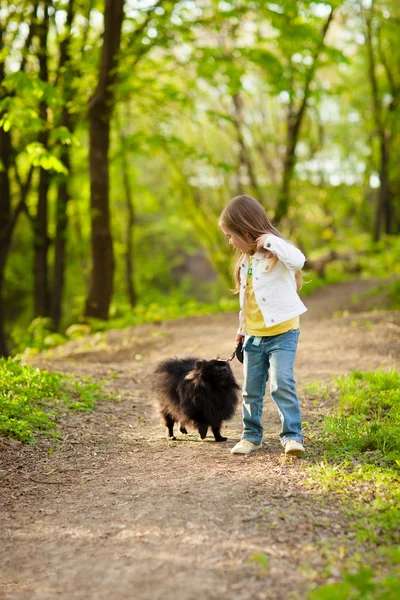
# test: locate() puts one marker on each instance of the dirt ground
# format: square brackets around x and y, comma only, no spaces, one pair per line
[116,511]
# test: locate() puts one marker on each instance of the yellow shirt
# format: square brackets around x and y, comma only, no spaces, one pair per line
[254,322]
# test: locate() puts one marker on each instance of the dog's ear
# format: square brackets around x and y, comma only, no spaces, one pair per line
[195,377]
[190,376]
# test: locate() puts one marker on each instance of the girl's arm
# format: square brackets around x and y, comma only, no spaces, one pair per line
[240,331]
[291,256]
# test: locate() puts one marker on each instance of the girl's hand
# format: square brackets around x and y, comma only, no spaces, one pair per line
[260,241]
[260,245]
[239,339]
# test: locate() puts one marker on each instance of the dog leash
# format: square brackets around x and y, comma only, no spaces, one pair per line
[238,352]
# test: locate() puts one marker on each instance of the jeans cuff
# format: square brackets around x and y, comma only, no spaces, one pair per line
[253,440]
[287,438]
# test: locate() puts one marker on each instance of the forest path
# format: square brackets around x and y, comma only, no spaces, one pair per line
[117,512]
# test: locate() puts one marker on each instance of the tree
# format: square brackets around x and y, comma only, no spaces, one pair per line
[384,113]
[100,110]
[65,77]
[40,222]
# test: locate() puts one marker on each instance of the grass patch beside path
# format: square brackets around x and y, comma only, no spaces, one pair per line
[361,468]
[31,400]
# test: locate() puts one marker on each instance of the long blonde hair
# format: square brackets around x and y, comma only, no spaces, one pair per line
[244,215]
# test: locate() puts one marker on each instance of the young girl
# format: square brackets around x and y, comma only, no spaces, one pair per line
[267,275]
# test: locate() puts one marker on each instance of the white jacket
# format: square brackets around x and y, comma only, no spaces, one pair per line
[275,292]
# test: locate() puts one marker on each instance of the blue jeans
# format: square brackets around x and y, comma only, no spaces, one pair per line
[273,358]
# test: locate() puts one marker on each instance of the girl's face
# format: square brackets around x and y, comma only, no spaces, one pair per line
[237,242]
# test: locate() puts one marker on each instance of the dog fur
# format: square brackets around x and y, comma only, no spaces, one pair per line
[195,391]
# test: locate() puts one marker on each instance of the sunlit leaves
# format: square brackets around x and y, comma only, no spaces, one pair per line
[17,114]
[38,156]
[63,136]
[270,64]
[32,88]
[22,96]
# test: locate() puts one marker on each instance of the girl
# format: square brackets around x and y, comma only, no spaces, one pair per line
[267,275]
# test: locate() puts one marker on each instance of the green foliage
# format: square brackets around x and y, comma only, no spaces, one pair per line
[361,445]
[64,136]
[39,335]
[362,585]
[382,259]
[392,290]
[30,86]
[363,259]
[40,157]
[171,309]
[175,106]
[31,400]
[394,294]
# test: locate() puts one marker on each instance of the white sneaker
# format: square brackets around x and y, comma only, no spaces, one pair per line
[245,447]
[293,448]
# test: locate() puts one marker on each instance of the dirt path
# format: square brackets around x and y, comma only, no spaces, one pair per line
[118,512]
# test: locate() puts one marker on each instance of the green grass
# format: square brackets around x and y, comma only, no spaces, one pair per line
[361,585]
[31,400]
[360,444]
[368,422]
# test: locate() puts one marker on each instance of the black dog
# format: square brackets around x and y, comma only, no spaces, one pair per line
[201,392]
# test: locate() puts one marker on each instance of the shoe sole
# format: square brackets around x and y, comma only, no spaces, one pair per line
[249,452]
[297,453]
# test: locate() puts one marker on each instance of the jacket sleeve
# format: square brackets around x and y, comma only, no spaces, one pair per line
[240,331]
[291,256]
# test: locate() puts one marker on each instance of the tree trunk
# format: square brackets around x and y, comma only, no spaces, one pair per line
[283,203]
[100,110]
[8,218]
[41,247]
[41,243]
[60,245]
[5,211]
[244,155]
[5,225]
[3,340]
[129,262]
[63,196]
[383,214]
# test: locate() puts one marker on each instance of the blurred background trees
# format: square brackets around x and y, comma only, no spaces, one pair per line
[127,126]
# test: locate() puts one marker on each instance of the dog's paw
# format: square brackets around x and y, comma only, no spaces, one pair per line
[171,438]
[183,429]
[221,439]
